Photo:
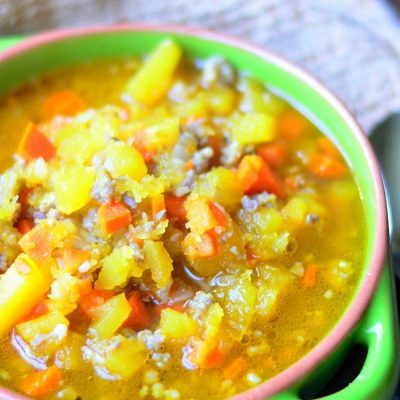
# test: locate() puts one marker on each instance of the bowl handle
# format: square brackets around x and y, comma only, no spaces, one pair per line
[378,332]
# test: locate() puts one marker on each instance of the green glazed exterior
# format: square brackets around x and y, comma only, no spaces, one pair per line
[378,328]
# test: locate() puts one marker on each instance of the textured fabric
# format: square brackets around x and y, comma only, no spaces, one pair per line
[350,45]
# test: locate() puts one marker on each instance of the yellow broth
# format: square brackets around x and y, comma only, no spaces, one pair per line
[328,237]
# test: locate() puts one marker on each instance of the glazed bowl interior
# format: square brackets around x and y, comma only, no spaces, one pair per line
[55,50]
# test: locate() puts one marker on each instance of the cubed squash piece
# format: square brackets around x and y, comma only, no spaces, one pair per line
[110,316]
[44,334]
[159,261]
[213,321]
[295,209]
[124,160]
[221,100]
[253,128]
[69,356]
[40,242]
[22,287]
[220,185]
[177,325]
[161,136]
[154,78]
[238,300]
[126,358]
[199,214]
[72,185]
[263,221]
[117,268]
[271,284]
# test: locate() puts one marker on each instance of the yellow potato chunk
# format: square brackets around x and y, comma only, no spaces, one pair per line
[221,100]
[220,185]
[163,135]
[124,160]
[126,358]
[295,209]
[177,325]
[271,285]
[69,356]
[159,261]
[154,78]
[111,315]
[253,128]
[238,299]
[212,321]
[48,331]
[72,185]
[117,268]
[22,287]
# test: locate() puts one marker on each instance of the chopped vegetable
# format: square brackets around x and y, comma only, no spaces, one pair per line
[253,128]
[139,317]
[200,246]
[274,154]
[22,287]
[176,207]
[70,196]
[220,185]
[256,176]
[65,102]
[153,80]
[113,217]
[177,325]
[235,368]
[159,262]
[110,316]
[325,166]
[35,144]
[40,384]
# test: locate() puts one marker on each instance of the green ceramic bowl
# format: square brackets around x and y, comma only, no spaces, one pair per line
[57,49]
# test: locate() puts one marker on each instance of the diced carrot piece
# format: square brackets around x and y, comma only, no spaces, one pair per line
[176,207]
[157,206]
[274,154]
[141,145]
[235,368]
[325,166]
[215,143]
[38,243]
[23,199]
[85,287]
[24,225]
[41,383]
[37,311]
[256,176]
[113,217]
[35,144]
[200,246]
[139,317]
[91,300]
[291,183]
[66,103]
[327,147]
[218,214]
[73,258]
[310,275]
[292,125]
[213,359]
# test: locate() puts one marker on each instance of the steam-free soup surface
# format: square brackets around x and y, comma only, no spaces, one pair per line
[170,229]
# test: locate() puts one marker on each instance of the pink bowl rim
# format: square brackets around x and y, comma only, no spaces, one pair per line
[355,310]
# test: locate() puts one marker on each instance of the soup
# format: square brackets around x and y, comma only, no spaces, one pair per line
[170,229]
